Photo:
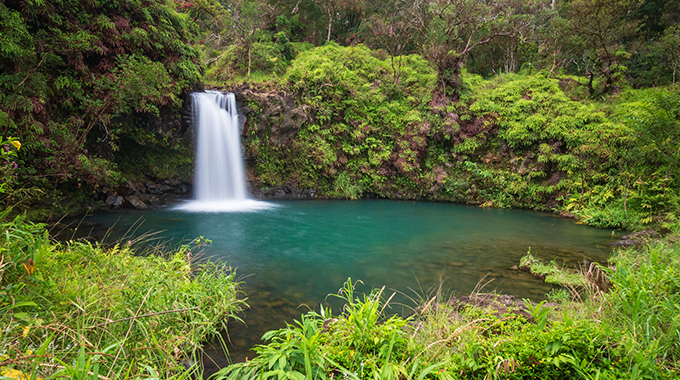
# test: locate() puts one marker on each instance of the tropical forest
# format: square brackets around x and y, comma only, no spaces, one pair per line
[339,189]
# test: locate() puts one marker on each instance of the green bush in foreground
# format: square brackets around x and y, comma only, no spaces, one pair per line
[81,310]
[628,332]
[360,343]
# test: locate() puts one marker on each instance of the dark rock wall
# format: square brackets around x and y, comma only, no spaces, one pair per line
[276,114]
[141,195]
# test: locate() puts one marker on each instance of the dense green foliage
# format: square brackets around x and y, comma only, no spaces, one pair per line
[367,121]
[569,106]
[517,140]
[76,308]
[95,93]
[626,328]
[551,124]
[76,76]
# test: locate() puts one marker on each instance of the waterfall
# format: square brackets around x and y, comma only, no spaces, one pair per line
[219,166]
[220,184]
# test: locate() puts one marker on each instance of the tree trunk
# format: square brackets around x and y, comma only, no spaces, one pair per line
[452,78]
[583,189]
[330,20]
[625,194]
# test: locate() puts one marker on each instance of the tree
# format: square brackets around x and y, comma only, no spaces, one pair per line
[598,30]
[331,7]
[206,13]
[669,48]
[392,25]
[655,16]
[345,13]
[658,131]
[455,28]
[245,18]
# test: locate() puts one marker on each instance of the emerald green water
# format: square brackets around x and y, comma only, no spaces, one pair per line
[299,252]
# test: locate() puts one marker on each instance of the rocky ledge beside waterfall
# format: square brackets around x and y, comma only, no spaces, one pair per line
[143,194]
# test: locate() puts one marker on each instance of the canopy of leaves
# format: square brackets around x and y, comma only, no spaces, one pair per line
[68,67]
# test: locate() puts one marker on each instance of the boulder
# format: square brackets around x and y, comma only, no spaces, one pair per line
[168,197]
[157,188]
[111,199]
[118,202]
[126,189]
[289,124]
[144,197]
[499,305]
[140,187]
[642,235]
[636,238]
[136,202]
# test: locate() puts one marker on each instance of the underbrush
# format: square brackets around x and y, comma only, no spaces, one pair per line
[645,304]
[623,323]
[83,311]
[362,342]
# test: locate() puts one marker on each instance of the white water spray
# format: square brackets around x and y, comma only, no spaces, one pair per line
[220,184]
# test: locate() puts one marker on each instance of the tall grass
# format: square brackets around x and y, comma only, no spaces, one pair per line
[82,311]
[645,305]
[626,327]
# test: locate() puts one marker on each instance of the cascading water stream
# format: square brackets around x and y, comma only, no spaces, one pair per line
[220,184]
[219,167]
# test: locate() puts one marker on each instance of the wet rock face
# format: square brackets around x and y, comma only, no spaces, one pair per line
[277,113]
[141,195]
[291,121]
